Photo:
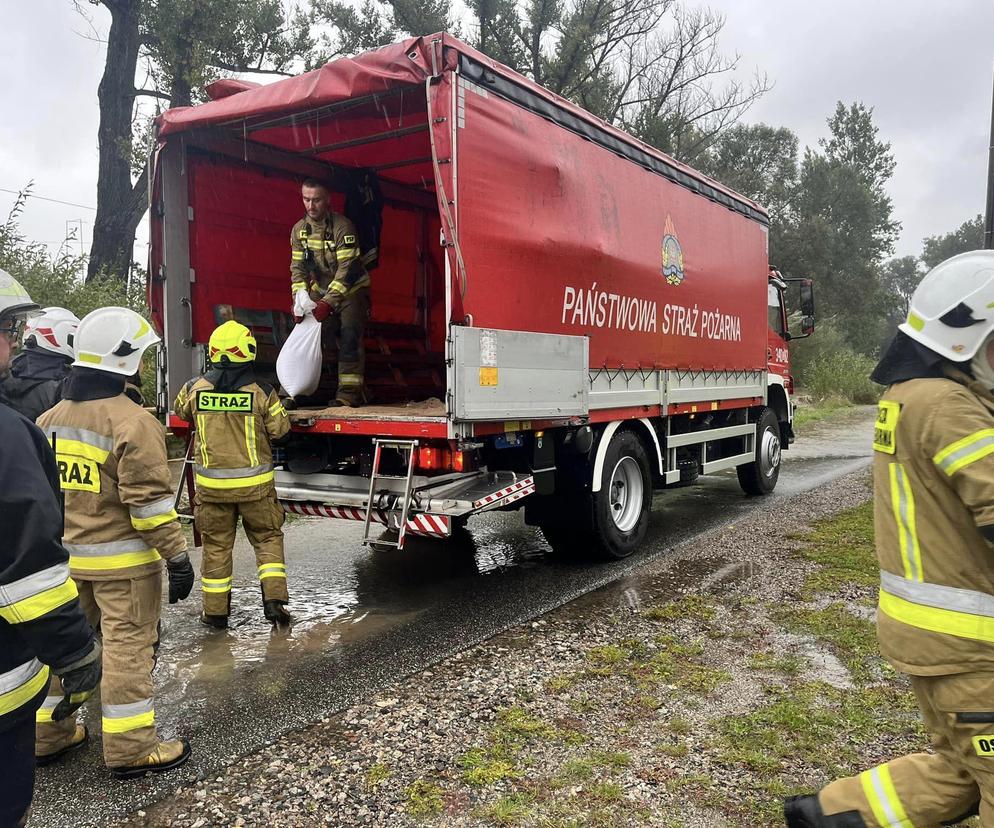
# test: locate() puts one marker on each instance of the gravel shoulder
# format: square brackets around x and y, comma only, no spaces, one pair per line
[698,692]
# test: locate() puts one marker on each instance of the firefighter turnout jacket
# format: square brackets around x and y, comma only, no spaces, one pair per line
[41,624]
[120,520]
[934,459]
[325,259]
[34,383]
[234,429]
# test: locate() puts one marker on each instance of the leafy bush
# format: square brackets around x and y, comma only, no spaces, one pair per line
[825,365]
[845,374]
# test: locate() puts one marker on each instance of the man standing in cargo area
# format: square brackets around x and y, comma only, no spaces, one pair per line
[933,478]
[43,631]
[326,264]
[119,526]
[237,419]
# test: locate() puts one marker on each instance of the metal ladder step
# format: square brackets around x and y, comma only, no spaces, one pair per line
[409,446]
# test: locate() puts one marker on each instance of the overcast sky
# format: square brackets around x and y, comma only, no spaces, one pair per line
[924,67]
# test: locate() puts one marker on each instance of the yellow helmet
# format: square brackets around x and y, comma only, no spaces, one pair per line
[232,342]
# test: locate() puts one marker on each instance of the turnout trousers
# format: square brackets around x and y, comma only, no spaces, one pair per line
[348,328]
[263,522]
[926,789]
[17,747]
[126,615]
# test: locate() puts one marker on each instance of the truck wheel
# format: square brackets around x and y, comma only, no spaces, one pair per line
[760,477]
[621,507]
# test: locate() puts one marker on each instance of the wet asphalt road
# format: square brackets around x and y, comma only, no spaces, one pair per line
[364,620]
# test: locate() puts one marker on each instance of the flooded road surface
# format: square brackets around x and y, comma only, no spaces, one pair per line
[363,620]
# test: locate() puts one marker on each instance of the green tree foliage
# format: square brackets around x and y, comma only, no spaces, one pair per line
[841,228]
[900,277]
[968,236]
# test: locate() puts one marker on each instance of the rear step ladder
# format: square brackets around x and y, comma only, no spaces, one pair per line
[409,446]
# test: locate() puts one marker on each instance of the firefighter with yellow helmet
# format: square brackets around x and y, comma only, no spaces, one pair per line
[933,475]
[236,419]
[119,526]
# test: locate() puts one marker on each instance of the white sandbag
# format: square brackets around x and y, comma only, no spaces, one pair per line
[299,364]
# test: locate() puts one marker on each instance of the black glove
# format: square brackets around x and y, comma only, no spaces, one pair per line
[180,572]
[79,680]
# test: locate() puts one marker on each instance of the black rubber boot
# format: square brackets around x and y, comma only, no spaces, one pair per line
[805,812]
[275,612]
[218,622]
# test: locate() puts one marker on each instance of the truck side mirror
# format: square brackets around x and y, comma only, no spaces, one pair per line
[807,303]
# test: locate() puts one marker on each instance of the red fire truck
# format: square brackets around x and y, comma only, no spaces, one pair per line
[564,318]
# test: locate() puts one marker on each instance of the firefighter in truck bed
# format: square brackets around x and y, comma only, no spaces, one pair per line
[326,263]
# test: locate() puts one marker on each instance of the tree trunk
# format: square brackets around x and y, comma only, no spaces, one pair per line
[120,205]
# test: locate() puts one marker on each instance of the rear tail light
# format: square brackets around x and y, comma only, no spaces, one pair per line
[443,458]
[429,458]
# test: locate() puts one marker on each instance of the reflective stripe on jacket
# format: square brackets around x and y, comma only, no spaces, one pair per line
[41,622]
[325,258]
[933,473]
[120,520]
[234,429]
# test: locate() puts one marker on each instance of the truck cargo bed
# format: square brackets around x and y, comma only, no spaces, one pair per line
[424,418]
[431,410]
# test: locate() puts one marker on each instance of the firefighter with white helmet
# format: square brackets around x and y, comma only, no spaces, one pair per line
[237,418]
[34,383]
[43,632]
[933,469]
[119,525]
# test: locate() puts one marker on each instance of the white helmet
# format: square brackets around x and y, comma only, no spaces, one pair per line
[53,330]
[952,310]
[114,340]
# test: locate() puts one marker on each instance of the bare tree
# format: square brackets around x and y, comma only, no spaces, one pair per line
[183,45]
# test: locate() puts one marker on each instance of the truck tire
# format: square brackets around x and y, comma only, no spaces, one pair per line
[611,523]
[760,477]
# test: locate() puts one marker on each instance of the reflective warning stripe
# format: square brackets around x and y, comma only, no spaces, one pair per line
[250,446]
[272,570]
[277,410]
[111,555]
[215,584]
[202,439]
[344,253]
[964,613]
[963,452]
[20,685]
[295,286]
[81,442]
[122,718]
[44,713]
[349,380]
[882,796]
[153,515]
[297,255]
[34,595]
[903,503]
[233,478]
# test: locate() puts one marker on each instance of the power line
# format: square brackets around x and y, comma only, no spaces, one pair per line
[43,198]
